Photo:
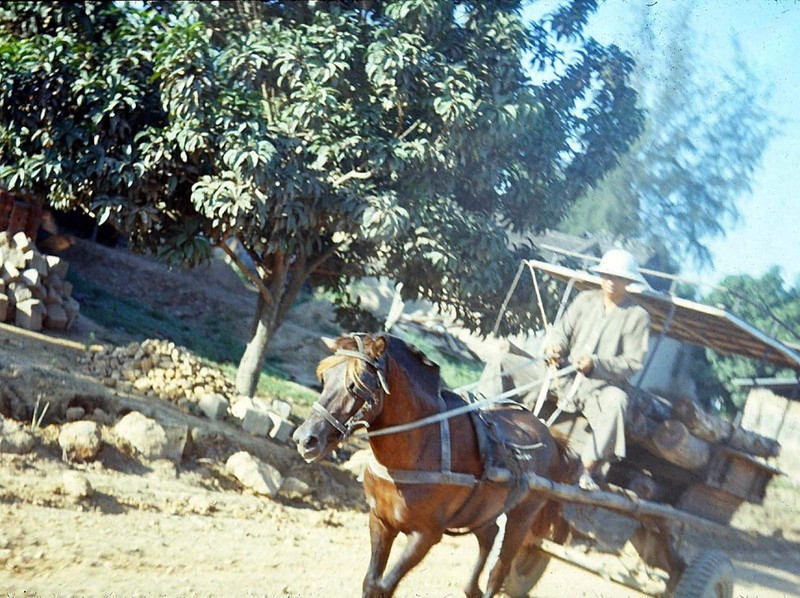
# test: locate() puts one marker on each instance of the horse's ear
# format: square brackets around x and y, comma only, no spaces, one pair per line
[329,342]
[379,344]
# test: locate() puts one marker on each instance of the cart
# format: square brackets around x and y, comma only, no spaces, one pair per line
[685,470]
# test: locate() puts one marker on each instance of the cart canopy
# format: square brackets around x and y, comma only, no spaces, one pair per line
[693,322]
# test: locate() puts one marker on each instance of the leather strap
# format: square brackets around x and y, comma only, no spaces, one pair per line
[409,476]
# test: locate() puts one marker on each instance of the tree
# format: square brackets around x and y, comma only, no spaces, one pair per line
[768,304]
[679,185]
[331,140]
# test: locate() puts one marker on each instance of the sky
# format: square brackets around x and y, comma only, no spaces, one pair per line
[768,231]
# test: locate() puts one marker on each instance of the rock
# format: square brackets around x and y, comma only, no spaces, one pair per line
[15,439]
[214,405]
[282,408]
[141,436]
[4,303]
[73,414]
[257,422]
[30,314]
[31,277]
[202,505]
[241,406]
[281,429]
[75,485]
[21,241]
[57,266]
[294,489]
[9,272]
[260,477]
[101,417]
[55,317]
[177,435]
[80,441]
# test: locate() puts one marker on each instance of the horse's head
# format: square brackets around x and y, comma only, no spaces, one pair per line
[354,386]
[356,380]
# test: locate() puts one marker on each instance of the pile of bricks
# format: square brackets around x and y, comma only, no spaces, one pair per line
[159,367]
[33,292]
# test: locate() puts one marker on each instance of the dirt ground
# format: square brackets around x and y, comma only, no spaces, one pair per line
[190,530]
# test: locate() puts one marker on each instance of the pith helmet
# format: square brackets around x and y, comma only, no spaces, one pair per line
[618,262]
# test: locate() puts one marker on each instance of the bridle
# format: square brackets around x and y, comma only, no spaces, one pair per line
[371,400]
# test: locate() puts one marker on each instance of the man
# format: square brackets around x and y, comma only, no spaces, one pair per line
[604,335]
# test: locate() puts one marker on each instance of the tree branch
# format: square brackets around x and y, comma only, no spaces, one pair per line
[353,174]
[257,281]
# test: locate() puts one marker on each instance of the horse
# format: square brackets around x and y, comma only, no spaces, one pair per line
[429,446]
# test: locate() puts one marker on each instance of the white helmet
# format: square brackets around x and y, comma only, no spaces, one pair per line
[621,263]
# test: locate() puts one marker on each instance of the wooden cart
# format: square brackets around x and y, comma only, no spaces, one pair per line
[685,469]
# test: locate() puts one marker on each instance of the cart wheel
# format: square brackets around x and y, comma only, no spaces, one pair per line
[526,570]
[709,576]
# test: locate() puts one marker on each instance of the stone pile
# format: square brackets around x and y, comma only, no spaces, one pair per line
[33,292]
[173,373]
[161,368]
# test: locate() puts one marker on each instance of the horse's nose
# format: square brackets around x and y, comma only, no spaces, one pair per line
[305,441]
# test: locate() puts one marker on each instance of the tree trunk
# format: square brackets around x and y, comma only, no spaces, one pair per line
[286,278]
[264,326]
[718,430]
[676,444]
[753,443]
[702,424]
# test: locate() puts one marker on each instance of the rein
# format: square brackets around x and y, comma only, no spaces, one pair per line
[474,406]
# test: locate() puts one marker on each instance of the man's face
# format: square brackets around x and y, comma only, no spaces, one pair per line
[614,287]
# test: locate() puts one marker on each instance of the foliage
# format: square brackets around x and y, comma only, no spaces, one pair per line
[330,140]
[766,303]
[679,185]
[455,371]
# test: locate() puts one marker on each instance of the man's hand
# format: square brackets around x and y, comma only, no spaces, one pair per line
[584,365]
[553,355]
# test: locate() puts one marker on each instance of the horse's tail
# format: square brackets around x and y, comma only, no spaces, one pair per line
[549,522]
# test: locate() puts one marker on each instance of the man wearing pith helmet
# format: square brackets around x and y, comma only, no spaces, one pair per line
[605,335]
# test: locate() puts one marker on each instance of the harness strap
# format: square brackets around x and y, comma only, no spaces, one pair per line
[368,360]
[410,476]
[330,419]
[444,433]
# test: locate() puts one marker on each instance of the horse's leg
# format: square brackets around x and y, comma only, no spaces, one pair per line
[419,543]
[381,539]
[520,519]
[486,536]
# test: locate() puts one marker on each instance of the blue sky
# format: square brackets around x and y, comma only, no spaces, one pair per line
[768,232]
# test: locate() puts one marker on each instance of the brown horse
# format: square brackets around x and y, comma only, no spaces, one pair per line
[426,479]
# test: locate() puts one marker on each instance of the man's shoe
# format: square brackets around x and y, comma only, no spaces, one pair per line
[499,475]
[586,482]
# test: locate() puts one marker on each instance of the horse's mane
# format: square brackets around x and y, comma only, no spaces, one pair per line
[353,372]
[419,370]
